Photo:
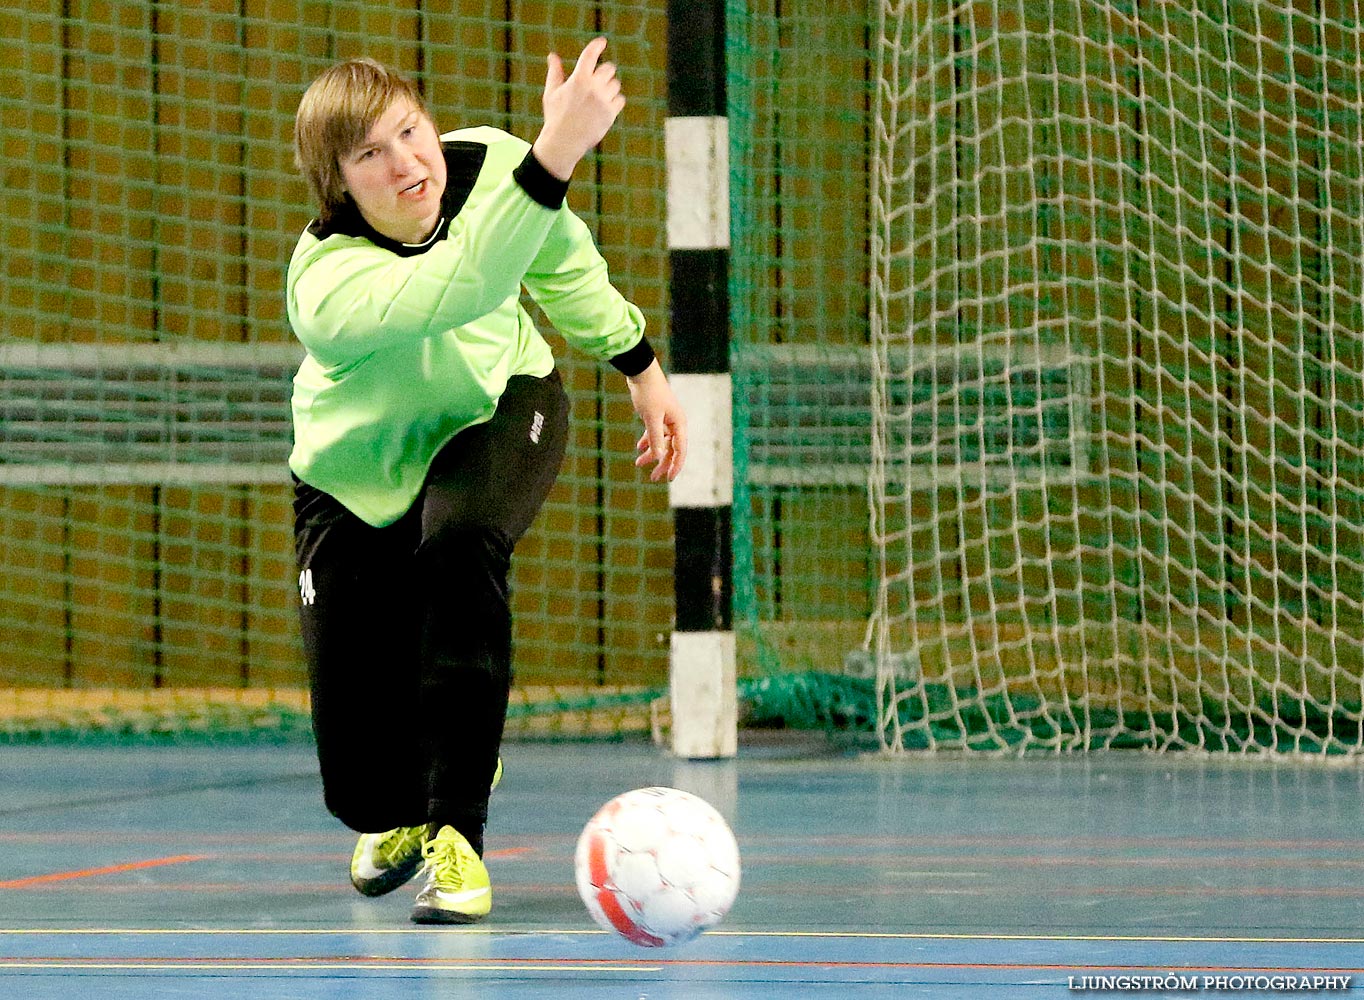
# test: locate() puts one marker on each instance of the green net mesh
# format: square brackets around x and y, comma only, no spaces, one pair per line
[150,206]
[1050,343]
[800,100]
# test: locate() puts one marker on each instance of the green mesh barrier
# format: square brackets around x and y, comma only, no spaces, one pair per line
[800,89]
[150,206]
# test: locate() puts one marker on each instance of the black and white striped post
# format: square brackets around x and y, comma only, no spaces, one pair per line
[703,682]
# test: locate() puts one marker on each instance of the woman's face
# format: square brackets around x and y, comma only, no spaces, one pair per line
[397,175]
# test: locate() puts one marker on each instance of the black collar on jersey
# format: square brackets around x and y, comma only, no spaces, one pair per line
[463,161]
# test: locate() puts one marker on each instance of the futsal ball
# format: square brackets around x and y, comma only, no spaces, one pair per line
[657,866]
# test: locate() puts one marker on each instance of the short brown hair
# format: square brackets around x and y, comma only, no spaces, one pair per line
[336,113]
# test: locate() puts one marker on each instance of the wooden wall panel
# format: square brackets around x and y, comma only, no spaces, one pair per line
[201,174]
[111,152]
[282,52]
[273,657]
[32,198]
[33,301]
[202,587]
[113,608]
[389,32]
[466,66]
[34,550]
[633,236]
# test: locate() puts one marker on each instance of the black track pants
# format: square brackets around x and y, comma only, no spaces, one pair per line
[407,628]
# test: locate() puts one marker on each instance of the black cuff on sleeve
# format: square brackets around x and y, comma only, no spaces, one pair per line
[539,183]
[636,359]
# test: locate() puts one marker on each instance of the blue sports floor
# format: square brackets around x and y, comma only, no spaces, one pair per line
[216,873]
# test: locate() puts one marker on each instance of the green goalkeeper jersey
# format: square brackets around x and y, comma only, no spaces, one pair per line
[409,344]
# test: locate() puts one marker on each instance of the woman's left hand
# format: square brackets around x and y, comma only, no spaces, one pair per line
[664,442]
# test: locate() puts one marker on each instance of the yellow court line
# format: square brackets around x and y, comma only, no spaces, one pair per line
[509,932]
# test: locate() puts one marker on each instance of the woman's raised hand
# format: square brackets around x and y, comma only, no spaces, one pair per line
[579,109]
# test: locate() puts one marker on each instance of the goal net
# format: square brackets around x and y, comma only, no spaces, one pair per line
[1116,369]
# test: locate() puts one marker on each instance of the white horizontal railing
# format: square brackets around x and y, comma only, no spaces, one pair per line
[976,413]
[177,413]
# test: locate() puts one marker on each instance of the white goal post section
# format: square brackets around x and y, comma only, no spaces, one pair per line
[1117,375]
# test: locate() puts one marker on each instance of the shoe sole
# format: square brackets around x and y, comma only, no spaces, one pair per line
[434,915]
[394,878]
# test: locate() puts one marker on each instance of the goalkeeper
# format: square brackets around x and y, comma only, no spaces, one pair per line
[429,426]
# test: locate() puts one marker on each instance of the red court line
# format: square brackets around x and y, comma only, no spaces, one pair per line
[295,857]
[178,859]
[232,888]
[133,836]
